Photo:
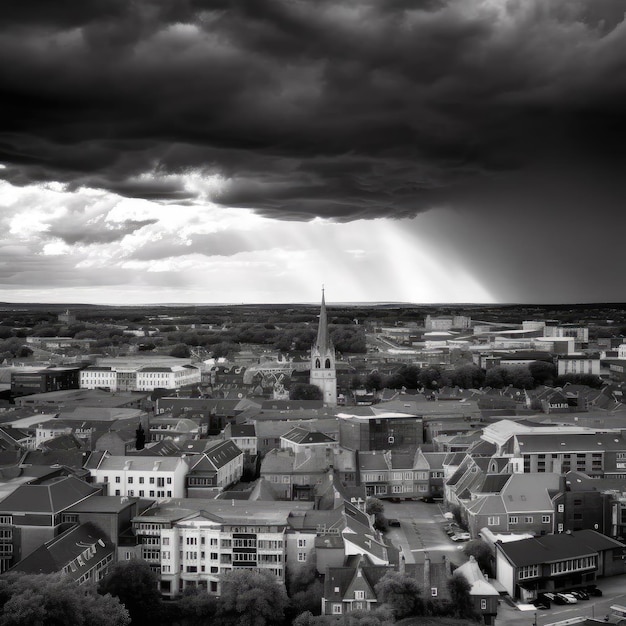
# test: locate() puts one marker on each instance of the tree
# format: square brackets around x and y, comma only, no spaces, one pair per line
[468,376]
[305,391]
[140,438]
[544,373]
[401,593]
[521,378]
[55,600]
[374,382]
[375,507]
[496,377]
[136,586]
[433,378]
[251,597]
[309,599]
[459,590]
[195,608]
[181,351]
[481,552]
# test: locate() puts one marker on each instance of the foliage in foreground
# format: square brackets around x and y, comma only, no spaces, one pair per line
[56,600]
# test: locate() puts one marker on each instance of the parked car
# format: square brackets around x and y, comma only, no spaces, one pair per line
[546,598]
[392,521]
[453,530]
[579,594]
[461,536]
[542,605]
[592,590]
[567,598]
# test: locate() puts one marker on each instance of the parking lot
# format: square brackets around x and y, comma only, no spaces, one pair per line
[421,532]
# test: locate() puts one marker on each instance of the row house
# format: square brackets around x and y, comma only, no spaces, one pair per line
[243,436]
[514,503]
[548,448]
[557,562]
[154,477]
[294,475]
[191,543]
[393,474]
[218,467]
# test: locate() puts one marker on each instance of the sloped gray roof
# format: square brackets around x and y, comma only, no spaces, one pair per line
[50,496]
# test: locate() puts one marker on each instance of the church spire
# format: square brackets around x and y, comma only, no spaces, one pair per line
[323,338]
[323,371]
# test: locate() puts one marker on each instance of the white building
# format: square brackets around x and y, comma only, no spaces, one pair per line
[192,542]
[152,477]
[578,364]
[139,375]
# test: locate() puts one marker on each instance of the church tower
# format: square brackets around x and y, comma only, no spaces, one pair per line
[323,370]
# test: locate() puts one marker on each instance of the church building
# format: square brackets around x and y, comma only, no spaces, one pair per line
[323,368]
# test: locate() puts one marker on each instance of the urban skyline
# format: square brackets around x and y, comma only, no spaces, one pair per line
[441,151]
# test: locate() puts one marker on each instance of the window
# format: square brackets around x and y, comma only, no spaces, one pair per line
[359,595]
[493,520]
[528,519]
[513,519]
[165,541]
[561,508]
[141,480]
[545,519]
[301,557]
[301,543]
[117,479]
[130,480]
[336,608]
[483,604]
[433,592]
[528,571]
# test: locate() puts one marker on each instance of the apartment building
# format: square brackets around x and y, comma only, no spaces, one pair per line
[192,542]
[154,477]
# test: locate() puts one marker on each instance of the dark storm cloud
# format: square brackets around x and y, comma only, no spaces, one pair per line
[341,109]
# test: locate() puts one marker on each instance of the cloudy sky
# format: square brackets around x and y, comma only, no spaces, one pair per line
[253,150]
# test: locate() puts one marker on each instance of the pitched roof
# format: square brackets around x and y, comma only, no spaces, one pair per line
[83,546]
[550,548]
[50,496]
[222,453]
[303,436]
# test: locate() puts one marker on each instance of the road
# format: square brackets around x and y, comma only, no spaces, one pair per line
[421,534]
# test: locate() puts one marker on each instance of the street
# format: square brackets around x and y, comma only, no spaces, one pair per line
[421,534]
